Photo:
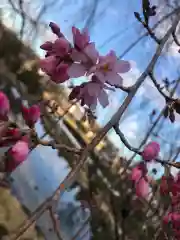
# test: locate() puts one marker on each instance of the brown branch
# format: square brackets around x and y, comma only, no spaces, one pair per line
[58,146]
[137,151]
[80,230]
[132,45]
[55,222]
[124,140]
[175,38]
[149,30]
[116,117]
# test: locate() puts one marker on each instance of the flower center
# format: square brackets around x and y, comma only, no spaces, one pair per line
[105,67]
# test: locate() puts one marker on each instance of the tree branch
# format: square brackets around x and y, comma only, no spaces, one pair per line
[55,223]
[151,75]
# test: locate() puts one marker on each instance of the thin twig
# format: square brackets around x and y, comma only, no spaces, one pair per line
[151,33]
[175,38]
[58,146]
[151,75]
[137,151]
[55,222]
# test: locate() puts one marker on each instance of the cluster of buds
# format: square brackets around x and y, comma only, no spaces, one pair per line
[170,186]
[139,173]
[12,136]
[64,61]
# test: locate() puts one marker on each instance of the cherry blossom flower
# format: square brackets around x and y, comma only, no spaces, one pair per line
[80,39]
[84,61]
[108,69]
[89,93]
[31,115]
[150,151]
[4,106]
[16,155]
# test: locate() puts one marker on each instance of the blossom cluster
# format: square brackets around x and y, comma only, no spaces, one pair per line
[170,186]
[64,60]
[12,136]
[139,173]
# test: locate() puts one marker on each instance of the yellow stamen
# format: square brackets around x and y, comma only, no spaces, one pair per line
[105,67]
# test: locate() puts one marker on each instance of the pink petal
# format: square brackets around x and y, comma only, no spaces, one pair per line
[61,47]
[76,70]
[93,89]
[48,64]
[136,173]
[60,74]
[91,52]
[100,76]
[103,98]
[47,46]
[122,66]
[78,56]
[111,57]
[113,78]
[142,188]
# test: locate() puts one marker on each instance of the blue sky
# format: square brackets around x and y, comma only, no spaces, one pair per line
[117,18]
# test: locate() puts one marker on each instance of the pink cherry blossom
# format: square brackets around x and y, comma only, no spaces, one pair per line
[80,39]
[55,29]
[89,93]
[108,69]
[31,115]
[16,155]
[84,60]
[4,106]
[150,151]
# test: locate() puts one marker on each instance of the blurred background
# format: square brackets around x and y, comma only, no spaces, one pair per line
[112,210]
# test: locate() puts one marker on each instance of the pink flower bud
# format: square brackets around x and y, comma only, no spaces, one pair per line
[31,115]
[4,106]
[47,46]
[10,137]
[142,188]
[16,155]
[55,29]
[150,151]
[138,171]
